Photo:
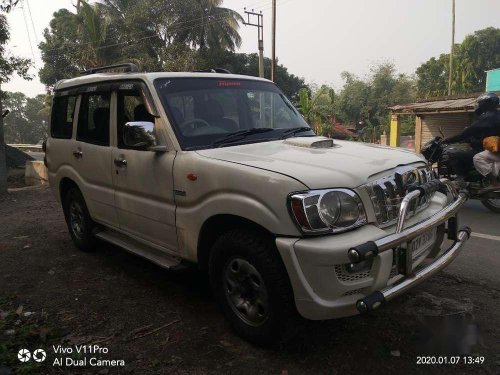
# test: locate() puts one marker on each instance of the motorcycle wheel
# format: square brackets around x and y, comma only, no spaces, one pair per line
[492,204]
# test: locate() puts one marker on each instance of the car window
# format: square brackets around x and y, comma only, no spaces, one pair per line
[63,110]
[93,119]
[130,107]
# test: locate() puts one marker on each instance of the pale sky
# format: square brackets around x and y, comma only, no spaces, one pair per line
[316,39]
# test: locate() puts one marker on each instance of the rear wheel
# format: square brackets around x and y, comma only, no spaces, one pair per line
[80,224]
[492,204]
[251,284]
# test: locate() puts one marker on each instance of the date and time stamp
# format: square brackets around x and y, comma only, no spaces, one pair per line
[451,360]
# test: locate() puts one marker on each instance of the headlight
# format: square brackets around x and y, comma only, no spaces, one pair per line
[327,211]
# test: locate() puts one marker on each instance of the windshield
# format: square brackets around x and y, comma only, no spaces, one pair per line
[206,111]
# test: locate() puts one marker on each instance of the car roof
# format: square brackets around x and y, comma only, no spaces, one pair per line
[104,77]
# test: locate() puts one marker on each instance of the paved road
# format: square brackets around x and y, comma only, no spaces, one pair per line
[480,260]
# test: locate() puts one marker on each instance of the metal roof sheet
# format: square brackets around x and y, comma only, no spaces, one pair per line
[464,104]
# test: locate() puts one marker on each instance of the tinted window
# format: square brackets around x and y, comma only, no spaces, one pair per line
[204,109]
[63,110]
[93,119]
[130,108]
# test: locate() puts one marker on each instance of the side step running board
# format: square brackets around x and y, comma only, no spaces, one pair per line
[156,256]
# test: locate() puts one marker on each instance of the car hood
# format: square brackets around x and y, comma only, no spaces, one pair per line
[316,165]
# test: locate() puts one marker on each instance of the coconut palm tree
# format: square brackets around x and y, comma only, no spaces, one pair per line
[208,25]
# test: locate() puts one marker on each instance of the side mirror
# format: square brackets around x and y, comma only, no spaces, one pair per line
[139,134]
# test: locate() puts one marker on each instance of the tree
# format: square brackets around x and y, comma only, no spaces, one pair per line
[75,42]
[317,107]
[28,118]
[7,5]
[248,64]
[432,76]
[477,53]
[366,102]
[211,26]
[8,66]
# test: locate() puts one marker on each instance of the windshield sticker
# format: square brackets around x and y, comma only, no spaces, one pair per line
[228,83]
[126,86]
[165,84]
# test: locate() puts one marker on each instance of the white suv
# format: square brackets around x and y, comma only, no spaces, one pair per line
[221,170]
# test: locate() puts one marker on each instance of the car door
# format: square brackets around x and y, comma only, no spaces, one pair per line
[92,154]
[142,179]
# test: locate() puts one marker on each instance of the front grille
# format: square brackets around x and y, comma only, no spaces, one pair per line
[387,193]
[346,276]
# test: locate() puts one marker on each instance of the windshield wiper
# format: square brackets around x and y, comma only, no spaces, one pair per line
[291,132]
[239,135]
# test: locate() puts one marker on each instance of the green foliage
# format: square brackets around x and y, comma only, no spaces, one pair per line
[361,102]
[366,102]
[27,121]
[248,64]
[477,53]
[317,107]
[211,26]
[154,34]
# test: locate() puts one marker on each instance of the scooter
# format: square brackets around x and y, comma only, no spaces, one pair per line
[438,156]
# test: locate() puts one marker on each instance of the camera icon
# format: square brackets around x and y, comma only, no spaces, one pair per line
[39,355]
[24,355]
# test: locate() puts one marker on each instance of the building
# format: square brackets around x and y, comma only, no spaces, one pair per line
[450,114]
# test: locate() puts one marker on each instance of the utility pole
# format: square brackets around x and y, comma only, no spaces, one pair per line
[3,152]
[273,62]
[260,29]
[452,45]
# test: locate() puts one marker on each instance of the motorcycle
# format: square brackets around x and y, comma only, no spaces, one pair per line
[438,156]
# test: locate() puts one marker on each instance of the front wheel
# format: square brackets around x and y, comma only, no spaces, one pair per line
[251,284]
[492,204]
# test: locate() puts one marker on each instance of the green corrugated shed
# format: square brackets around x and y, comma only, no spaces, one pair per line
[493,80]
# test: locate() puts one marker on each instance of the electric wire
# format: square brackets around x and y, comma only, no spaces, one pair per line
[28,31]
[32,23]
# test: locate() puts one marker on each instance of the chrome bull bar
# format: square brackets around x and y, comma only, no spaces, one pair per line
[403,235]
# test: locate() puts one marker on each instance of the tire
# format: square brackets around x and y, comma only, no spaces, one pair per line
[492,204]
[247,262]
[78,220]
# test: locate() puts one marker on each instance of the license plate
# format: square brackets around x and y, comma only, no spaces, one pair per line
[413,249]
[421,243]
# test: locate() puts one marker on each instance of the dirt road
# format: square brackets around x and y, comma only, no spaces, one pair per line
[160,322]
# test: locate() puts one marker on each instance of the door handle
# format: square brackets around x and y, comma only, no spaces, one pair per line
[78,154]
[120,162]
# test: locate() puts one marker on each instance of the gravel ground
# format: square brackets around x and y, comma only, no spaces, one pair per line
[163,322]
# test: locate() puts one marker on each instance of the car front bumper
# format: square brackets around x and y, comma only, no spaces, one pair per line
[316,266]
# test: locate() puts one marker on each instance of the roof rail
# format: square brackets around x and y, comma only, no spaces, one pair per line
[129,67]
[213,70]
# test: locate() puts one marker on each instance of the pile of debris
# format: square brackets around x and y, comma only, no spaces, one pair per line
[16,158]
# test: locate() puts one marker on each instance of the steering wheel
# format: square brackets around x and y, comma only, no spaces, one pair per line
[200,124]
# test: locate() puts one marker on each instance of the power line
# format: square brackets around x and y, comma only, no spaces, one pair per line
[28,31]
[174,25]
[129,42]
[32,23]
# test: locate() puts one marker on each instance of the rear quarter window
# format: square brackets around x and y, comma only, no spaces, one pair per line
[63,111]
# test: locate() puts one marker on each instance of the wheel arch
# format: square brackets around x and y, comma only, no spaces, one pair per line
[217,225]
[65,185]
